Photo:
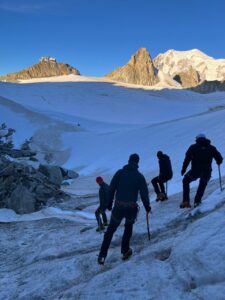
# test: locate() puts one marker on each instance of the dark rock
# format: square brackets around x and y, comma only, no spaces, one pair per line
[53,173]
[22,201]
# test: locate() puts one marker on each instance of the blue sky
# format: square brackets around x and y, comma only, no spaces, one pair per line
[97,36]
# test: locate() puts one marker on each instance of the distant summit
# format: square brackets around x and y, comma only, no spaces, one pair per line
[190,68]
[47,67]
[139,70]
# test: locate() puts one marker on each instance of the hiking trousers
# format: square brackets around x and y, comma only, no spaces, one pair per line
[118,213]
[158,185]
[192,176]
[101,217]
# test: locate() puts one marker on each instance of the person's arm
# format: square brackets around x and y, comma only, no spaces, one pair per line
[112,189]
[144,193]
[187,160]
[217,156]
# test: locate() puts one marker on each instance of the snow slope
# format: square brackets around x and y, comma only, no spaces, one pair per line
[114,122]
[55,257]
[52,254]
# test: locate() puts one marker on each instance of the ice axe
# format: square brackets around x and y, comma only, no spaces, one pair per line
[148,230]
[221,188]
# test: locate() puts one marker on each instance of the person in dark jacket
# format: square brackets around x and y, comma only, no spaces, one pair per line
[200,155]
[125,186]
[165,174]
[103,199]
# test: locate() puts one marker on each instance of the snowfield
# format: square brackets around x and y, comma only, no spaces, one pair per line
[92,126]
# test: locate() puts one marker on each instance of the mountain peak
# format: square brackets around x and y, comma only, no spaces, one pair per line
[193,63]
[46,67]
[138,70]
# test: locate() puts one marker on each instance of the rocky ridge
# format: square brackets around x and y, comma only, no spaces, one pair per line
[139,70]
[47,67]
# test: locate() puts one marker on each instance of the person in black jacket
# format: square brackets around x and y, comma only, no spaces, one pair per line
[200,155]
[103,199]
[125,186]
[165,174]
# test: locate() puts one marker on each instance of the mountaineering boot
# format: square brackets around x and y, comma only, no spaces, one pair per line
[163,197]
[158,198]
[185,205]
[101,260]
[197,203]
[127,254]
[100,228]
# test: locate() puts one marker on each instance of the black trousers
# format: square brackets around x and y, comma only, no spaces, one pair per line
[118,213]
[192,176]
[158,184]
[100,217]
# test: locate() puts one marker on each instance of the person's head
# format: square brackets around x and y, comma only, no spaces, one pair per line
[134,158]
[159,154]
[200,136]
[99,180]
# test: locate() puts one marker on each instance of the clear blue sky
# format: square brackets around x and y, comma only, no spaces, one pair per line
[97,36]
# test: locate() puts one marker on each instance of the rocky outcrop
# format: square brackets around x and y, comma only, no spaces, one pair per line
[210,87]
[47,67]
[23,187]
[188,78]
[56,174]
[139,70]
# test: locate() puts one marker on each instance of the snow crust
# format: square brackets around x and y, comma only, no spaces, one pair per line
[52,254]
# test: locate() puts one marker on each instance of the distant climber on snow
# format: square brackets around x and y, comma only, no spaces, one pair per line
[165,174]
[125,185]
[103,199]
[200,155]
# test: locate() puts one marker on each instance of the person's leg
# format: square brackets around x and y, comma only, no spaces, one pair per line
[162,187]
[204,179]
[98,218]
[186,187]
[188,178]
[104,217]
[116,218]
[130,215]
[155,185]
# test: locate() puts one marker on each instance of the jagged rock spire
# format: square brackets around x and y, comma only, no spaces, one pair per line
[139,70]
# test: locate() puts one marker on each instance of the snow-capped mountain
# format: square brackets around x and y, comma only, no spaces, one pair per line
[140,70]
[175,63]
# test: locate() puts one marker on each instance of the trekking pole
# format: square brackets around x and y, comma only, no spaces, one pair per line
[166,188]
[148,230]
[221,188]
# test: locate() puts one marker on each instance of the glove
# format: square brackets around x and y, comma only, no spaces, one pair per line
[148,209]
[183,172]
